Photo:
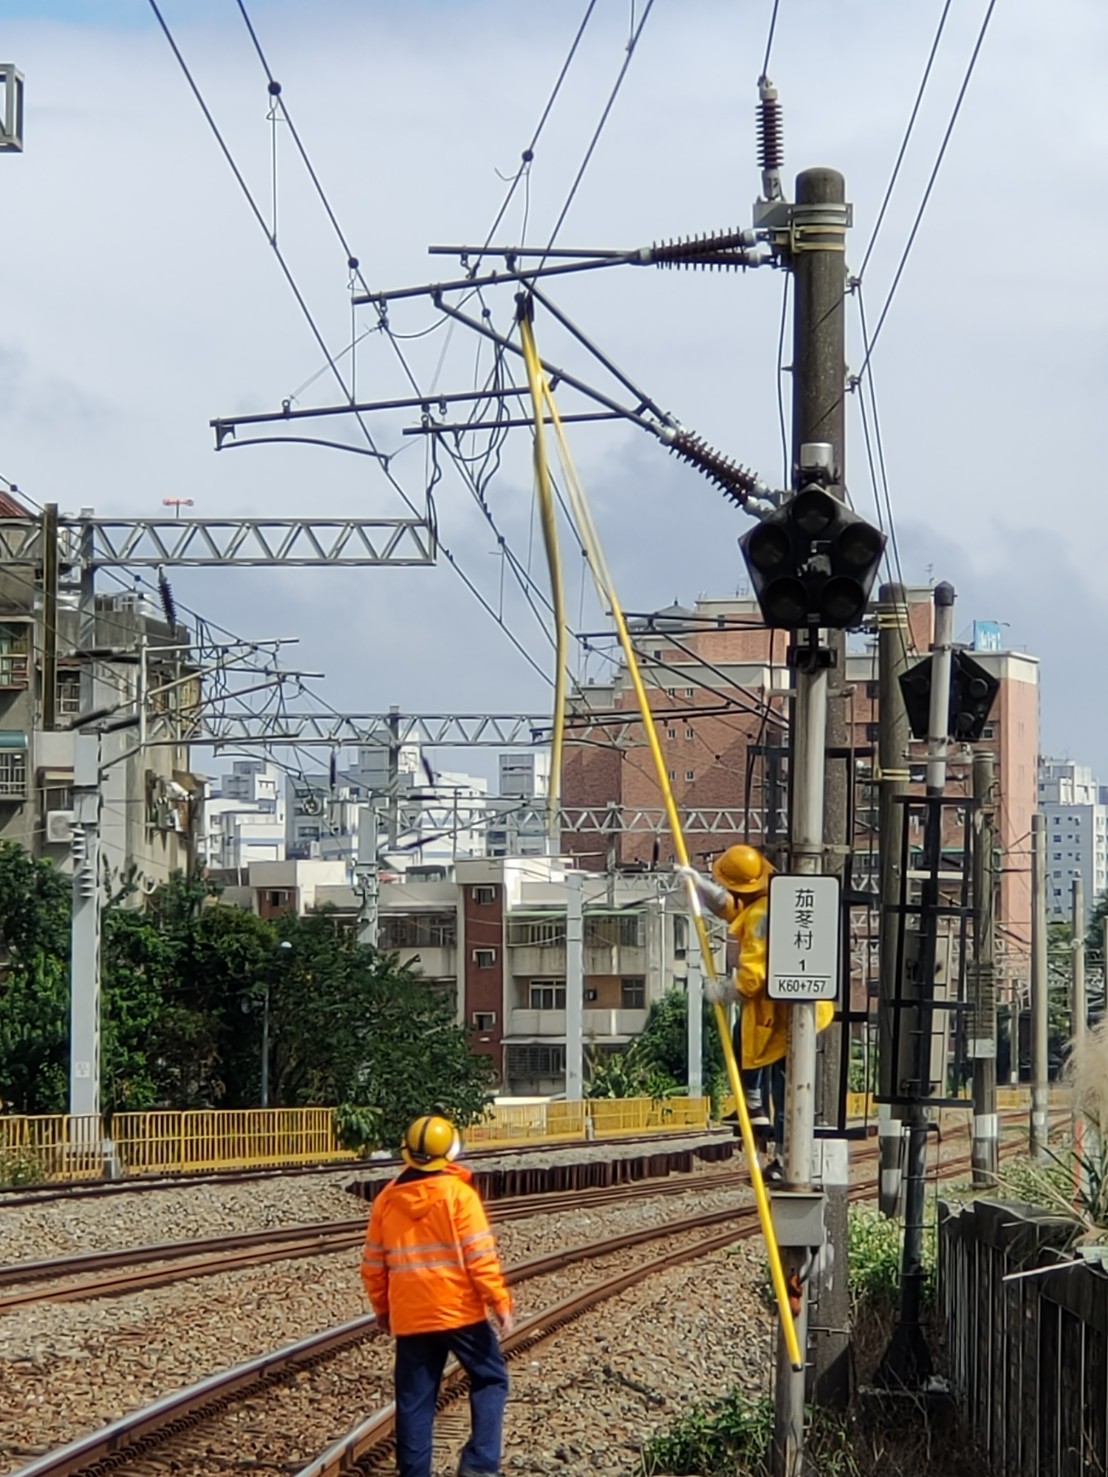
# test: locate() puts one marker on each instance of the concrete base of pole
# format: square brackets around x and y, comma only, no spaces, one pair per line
[829,1323]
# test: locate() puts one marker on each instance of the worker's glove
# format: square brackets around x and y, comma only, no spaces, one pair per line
[721,990]
[714,897]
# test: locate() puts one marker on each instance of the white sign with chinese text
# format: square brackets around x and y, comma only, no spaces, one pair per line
[803,945]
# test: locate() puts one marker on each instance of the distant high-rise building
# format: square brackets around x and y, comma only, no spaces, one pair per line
[1073,804]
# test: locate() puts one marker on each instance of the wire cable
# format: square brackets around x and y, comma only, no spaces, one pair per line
[632,45]
[930,186]
[904,141]
[769,42]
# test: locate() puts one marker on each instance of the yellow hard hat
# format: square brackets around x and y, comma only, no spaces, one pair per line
[742,869]
[431,1142]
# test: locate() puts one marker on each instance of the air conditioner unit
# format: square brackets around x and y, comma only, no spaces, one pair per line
[59,827]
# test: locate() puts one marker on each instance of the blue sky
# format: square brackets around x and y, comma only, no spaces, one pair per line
[141,300]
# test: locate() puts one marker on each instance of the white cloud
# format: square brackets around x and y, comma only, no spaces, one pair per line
[141,299]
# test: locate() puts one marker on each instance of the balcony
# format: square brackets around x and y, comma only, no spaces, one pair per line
[603,1024]
[436,963]
[537,961]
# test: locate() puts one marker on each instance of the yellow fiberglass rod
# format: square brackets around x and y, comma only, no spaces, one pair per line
[595,555]
[545,496]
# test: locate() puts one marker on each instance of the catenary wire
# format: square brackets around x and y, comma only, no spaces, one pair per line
[905,140]
[930,185]
[769,40]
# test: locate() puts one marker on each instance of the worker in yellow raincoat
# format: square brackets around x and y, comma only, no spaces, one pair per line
[738,892]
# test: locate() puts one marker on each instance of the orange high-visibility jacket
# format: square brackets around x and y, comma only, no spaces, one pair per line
[430,1259]
[765,1022]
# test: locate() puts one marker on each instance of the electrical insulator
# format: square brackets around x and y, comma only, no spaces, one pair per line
[771,142]
[732,479]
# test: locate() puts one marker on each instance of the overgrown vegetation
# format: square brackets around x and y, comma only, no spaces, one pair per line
[186,982]
[656,1062]
[730,1435]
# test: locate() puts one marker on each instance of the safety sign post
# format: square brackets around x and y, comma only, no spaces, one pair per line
[803,956]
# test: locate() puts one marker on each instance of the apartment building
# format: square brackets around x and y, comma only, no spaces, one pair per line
[244,818]
[492,936]
[150,807]
[1073,804]
[718,684]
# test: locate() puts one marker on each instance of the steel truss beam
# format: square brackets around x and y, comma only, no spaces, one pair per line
[381,730]
[151,542]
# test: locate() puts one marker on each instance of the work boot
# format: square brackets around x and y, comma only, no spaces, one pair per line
[774,1174]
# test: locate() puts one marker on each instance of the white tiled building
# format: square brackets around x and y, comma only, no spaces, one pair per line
[1076,833]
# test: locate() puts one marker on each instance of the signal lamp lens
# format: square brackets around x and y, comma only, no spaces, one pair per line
[813,511]
[785,604]
[843,603]
[977,689]
[859,546]
[767,547]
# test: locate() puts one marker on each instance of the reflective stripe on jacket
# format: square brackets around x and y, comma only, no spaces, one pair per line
[765,1022]
[430,1259]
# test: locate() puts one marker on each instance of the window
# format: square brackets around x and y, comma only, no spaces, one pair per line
[483,896]
[60,798]
[620,930]
[528,1063]
[276,899]
[690,774]
[419,931]
[632,994]
[68,700]
[690,733]
[537,933]
[989,731]
[590,996]
[873,732]
[688,692]
[484,958]
[13,774]
[673,774]
[671,692]
[873,689]
[671,733]
[484,1020]
[680,935]
[547,995]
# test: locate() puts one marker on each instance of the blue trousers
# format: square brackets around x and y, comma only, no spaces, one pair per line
[772,1078]
[420,1358]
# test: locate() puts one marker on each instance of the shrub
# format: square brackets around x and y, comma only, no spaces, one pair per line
[731,1436]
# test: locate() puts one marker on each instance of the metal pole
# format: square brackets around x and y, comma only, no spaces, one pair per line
[394,777]
[86,611]
[366,871]
[1080,1008]
[49,616]
[819,275]
[907,1360]
[575,986]
[894,736]
[84,984]
[982,1043]
[809,738]
[1040,983]
[694,1004]
[265,1047]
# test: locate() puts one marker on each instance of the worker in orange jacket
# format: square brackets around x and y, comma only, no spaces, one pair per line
[738,892]
[431,1272]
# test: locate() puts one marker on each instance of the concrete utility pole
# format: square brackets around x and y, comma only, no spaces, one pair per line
[49,616]
[894,736]
[575,987]
[819,221]
[809,749]
[84,991]
[694,1005]
[982,1042]
[1040,990]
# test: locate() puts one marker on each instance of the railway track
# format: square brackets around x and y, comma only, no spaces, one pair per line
[82,1277]
[262,1402]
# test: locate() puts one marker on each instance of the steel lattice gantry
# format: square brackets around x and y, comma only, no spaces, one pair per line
[103,543]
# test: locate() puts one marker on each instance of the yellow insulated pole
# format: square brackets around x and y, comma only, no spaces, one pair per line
[549,524]
[595,555]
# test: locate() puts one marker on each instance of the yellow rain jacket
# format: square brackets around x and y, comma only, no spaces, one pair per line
[765,1022]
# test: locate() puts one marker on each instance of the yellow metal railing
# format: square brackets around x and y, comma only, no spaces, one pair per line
[55,1146]
[58,1148]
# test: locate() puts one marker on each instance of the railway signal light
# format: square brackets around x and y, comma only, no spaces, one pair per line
[812,562]
[972,694]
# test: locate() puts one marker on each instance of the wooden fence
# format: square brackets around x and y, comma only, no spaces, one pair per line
[1028,1357]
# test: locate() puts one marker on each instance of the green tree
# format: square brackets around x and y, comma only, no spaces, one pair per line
[656,1062]
[34,983]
